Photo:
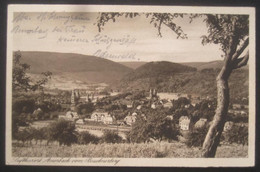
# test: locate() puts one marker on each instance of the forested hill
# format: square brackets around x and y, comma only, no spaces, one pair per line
[184,79]
[81,67]
[157,69]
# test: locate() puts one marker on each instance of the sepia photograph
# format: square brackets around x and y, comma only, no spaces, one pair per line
[102,85]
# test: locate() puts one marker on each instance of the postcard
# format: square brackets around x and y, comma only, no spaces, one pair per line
[129,85]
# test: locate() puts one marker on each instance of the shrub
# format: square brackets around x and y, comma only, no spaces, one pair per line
[85,138]
[237,134]
[196,137]
[111,137]
[23,105]
[156,126]
[63,131]
[25,135]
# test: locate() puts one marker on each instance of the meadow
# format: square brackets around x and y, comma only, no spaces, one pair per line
[126,150]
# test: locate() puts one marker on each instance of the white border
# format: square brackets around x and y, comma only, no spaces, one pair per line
[163,162]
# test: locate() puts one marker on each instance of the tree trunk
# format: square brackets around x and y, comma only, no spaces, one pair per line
[212,139]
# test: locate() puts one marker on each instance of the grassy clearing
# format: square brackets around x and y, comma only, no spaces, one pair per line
[122,150]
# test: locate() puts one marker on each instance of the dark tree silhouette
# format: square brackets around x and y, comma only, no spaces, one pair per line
[21,81]
[230,32]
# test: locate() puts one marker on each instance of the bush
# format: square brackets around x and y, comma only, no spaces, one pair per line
[63,131]
[237,134]
[196,137]
[111,137]
[25,135]
[85,138]
[156,126]
[23,105]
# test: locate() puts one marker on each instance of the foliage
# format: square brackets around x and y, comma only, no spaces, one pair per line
[62,131]
[85,138]
[198,82]
[111,137]
[156,19]
[180,102]
[222,28]
[86,108]
[237,134]
[21,81]
[23,105]
[155,70]
[196,137]
[123,150]
[204,109]
[21,135]
[156,126]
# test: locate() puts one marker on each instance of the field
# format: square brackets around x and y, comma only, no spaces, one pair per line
[123,150]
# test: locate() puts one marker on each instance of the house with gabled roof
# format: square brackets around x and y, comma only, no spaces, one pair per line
[184,123]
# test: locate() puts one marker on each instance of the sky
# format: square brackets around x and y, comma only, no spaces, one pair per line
[124,40]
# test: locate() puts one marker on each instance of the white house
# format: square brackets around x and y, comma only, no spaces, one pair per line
[130,119]
[184,123]
[108,119]
[139,107]
[171,96]
[153,106]
[80,121]
[168,104]
[98,115]
[71,115]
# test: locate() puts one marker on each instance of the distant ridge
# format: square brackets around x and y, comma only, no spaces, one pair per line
[133,65]
[180,78]
[157,69]
[82,67]
[205,65]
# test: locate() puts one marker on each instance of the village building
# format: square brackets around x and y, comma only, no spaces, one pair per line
[75,96]
[71,115]
[98,115]
[139,107]
[128,103]
[171,96]
[80,121]
[237,112]
[153,106]
[104,117]
[143,116]
[202,122]
[184,123]
[108,119]
[38,113]
[168,104]
[237,106]
[130,119]
[228,126]
[152,94]
[169,117]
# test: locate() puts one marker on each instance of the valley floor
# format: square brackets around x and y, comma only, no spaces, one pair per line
[126,150]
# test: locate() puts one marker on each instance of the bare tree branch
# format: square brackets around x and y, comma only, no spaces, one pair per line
[240,50]
[238,63]
[159,27]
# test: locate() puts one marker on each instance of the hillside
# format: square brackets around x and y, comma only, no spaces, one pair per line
[85,68]
[157,69]
[133,65]
[207,65]
[185,79]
